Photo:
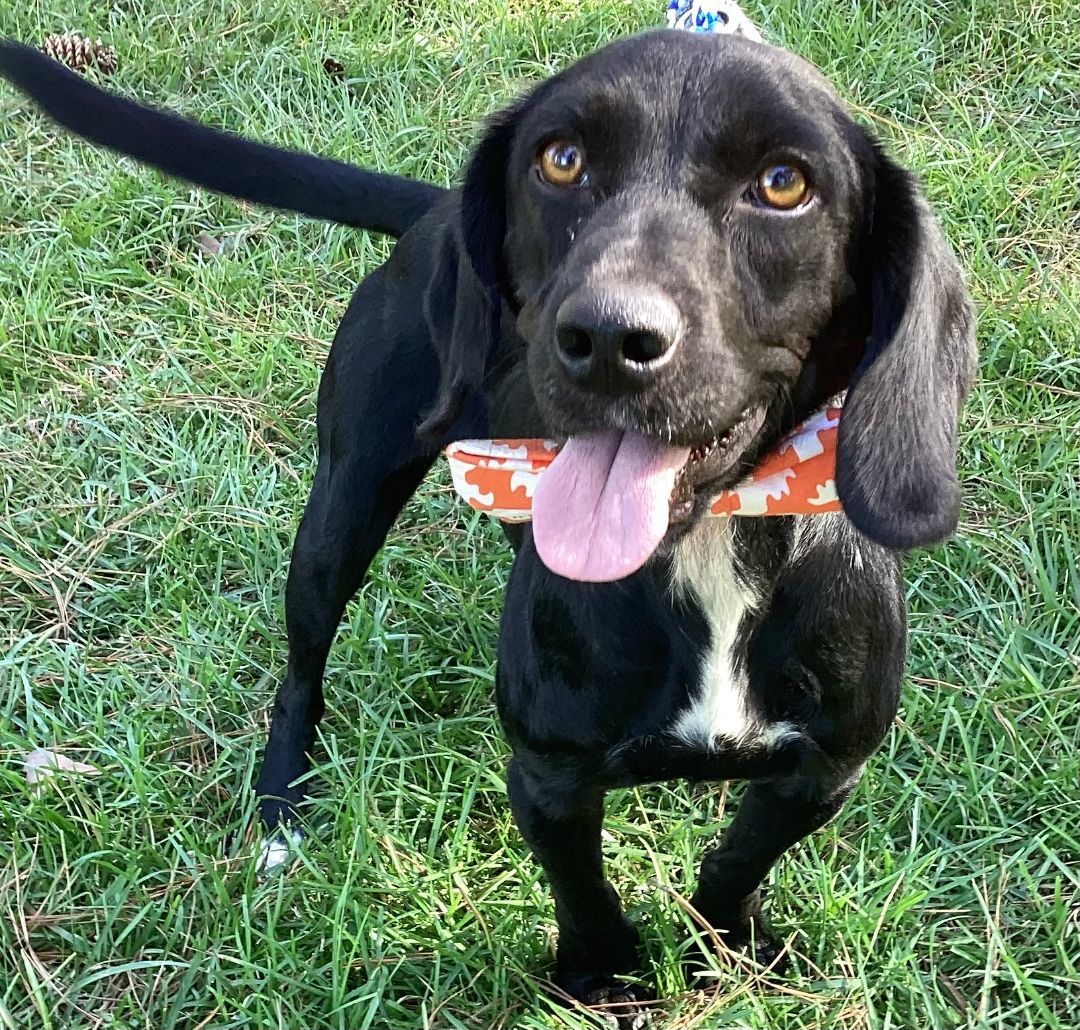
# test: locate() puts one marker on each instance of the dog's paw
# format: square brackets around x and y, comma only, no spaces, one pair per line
[616,1003]
[278,849]
[752,945]
[755,940]
[764,950]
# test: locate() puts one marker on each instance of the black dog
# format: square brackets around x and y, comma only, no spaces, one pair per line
[667,255]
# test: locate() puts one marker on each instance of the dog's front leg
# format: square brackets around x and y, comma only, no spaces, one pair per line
[772,817]
[561,824]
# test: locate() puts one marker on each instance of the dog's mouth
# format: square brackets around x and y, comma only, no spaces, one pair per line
[709,463]
[607,501]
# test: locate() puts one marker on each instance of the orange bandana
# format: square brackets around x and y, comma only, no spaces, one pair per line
[796,478]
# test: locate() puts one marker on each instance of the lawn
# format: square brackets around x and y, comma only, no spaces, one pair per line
[156,445]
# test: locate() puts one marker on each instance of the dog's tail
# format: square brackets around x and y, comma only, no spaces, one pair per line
[313,186]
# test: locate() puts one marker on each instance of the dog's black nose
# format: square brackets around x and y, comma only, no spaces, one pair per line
[616,340]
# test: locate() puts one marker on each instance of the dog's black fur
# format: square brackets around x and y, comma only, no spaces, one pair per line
[799,623]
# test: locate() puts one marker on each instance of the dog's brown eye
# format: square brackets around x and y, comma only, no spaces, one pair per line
[562,163]
[783,187]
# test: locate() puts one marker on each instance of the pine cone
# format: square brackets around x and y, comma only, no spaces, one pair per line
[79,53]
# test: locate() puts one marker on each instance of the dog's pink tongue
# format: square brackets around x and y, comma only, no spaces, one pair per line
[601,507]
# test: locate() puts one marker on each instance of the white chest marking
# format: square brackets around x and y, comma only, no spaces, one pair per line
[705,569]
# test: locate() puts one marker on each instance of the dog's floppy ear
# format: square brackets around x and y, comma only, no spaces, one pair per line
[896,456]
[464,299]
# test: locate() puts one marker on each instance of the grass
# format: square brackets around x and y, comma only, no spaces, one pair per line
[156,444]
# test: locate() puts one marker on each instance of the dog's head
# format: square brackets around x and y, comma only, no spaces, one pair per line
[700,246]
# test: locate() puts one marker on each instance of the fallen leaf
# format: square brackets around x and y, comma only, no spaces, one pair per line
[212,247]
[209,245]
[40,765]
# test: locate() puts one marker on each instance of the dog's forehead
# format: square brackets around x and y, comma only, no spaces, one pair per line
[672,76]
[672,52]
